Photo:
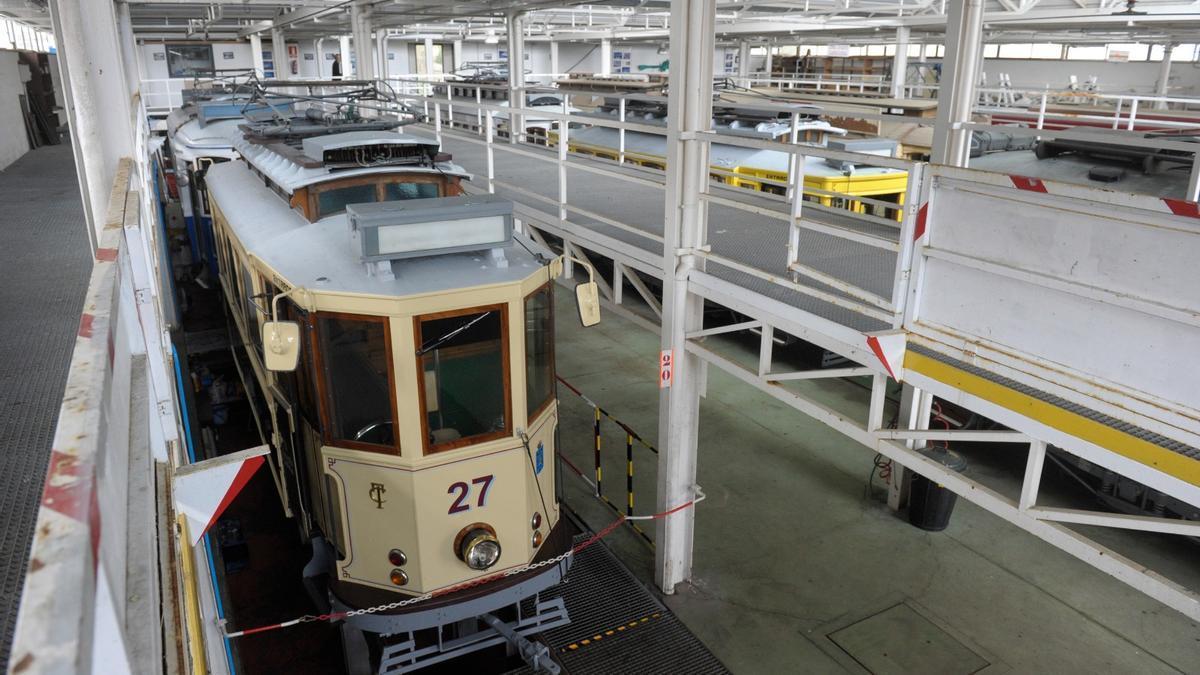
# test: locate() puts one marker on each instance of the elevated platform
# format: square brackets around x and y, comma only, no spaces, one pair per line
[45,261]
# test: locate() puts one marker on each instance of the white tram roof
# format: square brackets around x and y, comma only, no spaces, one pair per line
[290,176]
[725,156]
[318,256]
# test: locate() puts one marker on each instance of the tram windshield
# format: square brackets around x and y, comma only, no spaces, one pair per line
[464,376]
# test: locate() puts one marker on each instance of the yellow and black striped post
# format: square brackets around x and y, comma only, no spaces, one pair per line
[596,435]
[629,473]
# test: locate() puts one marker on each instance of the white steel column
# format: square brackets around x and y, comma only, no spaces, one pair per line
[1164,75]
[770,62]
[685,215]
[743,63]
[457,57]
[554,57]
[956,97]
[606,56]
[96,97]
[279,54]
[360,27]
[516,75]
[344,56]
[256,53]
[381,40]
[900,62]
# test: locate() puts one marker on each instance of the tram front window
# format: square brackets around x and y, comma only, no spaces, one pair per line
[335,200]
[394,192]
[357,363]
[464,376]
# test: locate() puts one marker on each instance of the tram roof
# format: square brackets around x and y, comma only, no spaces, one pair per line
[318,255]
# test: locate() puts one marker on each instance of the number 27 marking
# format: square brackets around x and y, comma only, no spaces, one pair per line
[460,502]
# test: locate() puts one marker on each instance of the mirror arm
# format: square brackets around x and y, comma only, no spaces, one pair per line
[587,265]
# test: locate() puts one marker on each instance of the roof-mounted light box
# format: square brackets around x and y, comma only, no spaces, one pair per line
[385,231]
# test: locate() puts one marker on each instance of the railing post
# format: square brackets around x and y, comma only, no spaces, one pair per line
[621,131]
[437,121]
[564,143]
[489,138]
[1041,122]
[478,109]
[1133,108]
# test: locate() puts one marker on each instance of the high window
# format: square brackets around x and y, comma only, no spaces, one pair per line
[462,361]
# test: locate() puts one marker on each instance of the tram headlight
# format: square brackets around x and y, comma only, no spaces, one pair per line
[478,547]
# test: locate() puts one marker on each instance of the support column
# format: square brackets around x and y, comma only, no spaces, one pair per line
[743,70]
[770,62]
[900,62]
[606,56]
[344,55]
[360,27]
[279,54]
[457,56]
[96,97]
[516,75]
[1164,75]
[956,97]
[685,225]
[381,40]
[256,53]
[554,57]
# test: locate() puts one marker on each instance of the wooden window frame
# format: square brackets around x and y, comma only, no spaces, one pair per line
[313,192]
[325,405]
[536,412]
[429,448]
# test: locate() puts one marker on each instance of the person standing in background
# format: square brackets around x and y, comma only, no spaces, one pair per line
[337,66]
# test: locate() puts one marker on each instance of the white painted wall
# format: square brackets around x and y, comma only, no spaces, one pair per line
[1139,77]
[156,68]
[12,126]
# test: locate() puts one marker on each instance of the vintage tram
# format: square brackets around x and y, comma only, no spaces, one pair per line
[401,340]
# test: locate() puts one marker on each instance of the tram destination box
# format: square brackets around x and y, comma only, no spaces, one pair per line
[421,227]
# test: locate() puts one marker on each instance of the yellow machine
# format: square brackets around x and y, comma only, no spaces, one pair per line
[402,338]
[751,168]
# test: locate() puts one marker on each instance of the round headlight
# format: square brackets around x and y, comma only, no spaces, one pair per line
[479,549]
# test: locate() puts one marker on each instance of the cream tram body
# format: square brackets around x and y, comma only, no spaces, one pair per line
[472,421]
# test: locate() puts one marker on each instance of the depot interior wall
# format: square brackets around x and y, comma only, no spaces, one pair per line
[226,56]
[1138,77]
[13,142]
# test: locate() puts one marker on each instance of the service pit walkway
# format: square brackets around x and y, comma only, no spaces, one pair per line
[45,263]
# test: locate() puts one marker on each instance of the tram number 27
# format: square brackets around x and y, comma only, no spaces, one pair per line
[462,502]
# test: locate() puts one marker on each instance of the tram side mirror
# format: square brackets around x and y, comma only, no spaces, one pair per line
[587,297]
[281,345]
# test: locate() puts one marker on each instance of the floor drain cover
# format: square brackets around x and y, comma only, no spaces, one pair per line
[899,640]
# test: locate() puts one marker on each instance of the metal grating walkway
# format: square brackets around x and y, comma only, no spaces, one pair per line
[617,626]
[45,263]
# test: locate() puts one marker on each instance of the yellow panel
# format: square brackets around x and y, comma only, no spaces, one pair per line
[1126,445]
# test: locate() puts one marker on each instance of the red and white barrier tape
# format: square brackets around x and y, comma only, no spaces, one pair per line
[604,532]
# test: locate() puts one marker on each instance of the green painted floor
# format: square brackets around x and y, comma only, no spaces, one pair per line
[797,570]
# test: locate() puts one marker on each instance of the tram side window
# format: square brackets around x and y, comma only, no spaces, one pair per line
[300,381]
[539,349]
[464,380]
[335,200]
[355,352]
[393,192]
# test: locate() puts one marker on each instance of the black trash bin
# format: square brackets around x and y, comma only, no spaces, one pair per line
[929,504]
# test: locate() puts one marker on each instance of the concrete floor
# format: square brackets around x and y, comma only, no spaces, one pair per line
[789,548]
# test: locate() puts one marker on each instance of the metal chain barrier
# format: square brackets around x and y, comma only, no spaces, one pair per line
[698,497]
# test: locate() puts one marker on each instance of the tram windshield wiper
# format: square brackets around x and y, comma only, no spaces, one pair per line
[431,345]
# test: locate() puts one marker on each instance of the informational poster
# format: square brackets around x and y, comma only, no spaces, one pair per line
[228,56]
[293,53]
[1118,55]
[622,62]
[839,50]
